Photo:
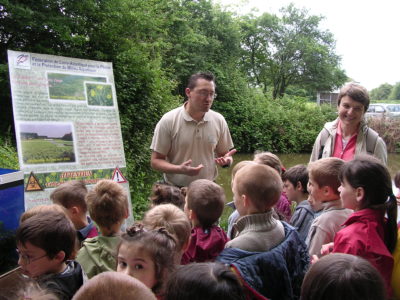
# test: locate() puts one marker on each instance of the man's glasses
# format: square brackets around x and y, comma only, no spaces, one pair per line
[205,94]
[26,259]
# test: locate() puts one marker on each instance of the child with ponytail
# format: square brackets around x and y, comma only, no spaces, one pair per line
[367,189]
[147,255]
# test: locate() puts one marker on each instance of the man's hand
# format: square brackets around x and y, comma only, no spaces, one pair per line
[187,169]
[225,160]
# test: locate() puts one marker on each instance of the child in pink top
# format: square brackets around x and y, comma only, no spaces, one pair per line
[367,189]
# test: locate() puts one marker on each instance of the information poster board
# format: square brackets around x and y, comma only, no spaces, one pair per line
[67,123]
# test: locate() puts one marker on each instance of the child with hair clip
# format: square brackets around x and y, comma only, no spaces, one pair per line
[366,188]
[164,193]
[147,255]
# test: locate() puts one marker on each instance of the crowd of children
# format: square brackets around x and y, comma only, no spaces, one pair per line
[323,231]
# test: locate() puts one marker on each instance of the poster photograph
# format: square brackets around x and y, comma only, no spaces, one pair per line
[47,143]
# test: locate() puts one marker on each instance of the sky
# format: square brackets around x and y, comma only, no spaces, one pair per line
[366,33]
[48,129]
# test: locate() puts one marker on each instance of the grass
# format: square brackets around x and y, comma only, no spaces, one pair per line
[40,151]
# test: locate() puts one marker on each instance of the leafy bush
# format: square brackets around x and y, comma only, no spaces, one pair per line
[287,125]
[8,154]
[388,129]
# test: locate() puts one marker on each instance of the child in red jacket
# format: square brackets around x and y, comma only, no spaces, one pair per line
[367,189]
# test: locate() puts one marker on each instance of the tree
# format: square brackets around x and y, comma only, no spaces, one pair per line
[395,93]
[382,92]
[291,50]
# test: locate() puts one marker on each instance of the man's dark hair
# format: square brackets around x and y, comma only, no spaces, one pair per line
[200,75]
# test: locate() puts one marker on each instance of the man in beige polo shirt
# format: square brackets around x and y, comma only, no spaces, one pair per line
[191,140]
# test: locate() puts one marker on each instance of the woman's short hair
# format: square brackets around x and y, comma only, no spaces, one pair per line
[356,92]
[342,276]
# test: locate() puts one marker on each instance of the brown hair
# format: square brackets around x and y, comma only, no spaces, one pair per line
[113,285]
[163,194]
[159,244]
[41,208]
[51,231]
[356,92]
[295,174]
[261,183]
[198,281]
[207,200]
[192,82]
[269,159]
[107,203]
[173,219]
[325,172]
[70,193]
[342,276]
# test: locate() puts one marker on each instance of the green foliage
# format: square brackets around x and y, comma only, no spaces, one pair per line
[8,154]
[290,50]
[286,125]
[382,92]
[395,93]
[39,151]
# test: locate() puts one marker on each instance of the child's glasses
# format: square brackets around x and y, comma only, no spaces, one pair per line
[26,259]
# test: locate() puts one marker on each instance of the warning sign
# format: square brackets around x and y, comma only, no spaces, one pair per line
[117,176]
[33,184]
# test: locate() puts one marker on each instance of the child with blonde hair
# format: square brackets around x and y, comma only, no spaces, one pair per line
[235,215]
[174,220]
[205,202]
[267,253]
[31,290]
[256,189]
[108,207]
[71,195]
[147,255]
[115,286]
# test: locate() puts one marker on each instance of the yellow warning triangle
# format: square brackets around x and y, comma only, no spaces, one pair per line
[117,176]
[33,184]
